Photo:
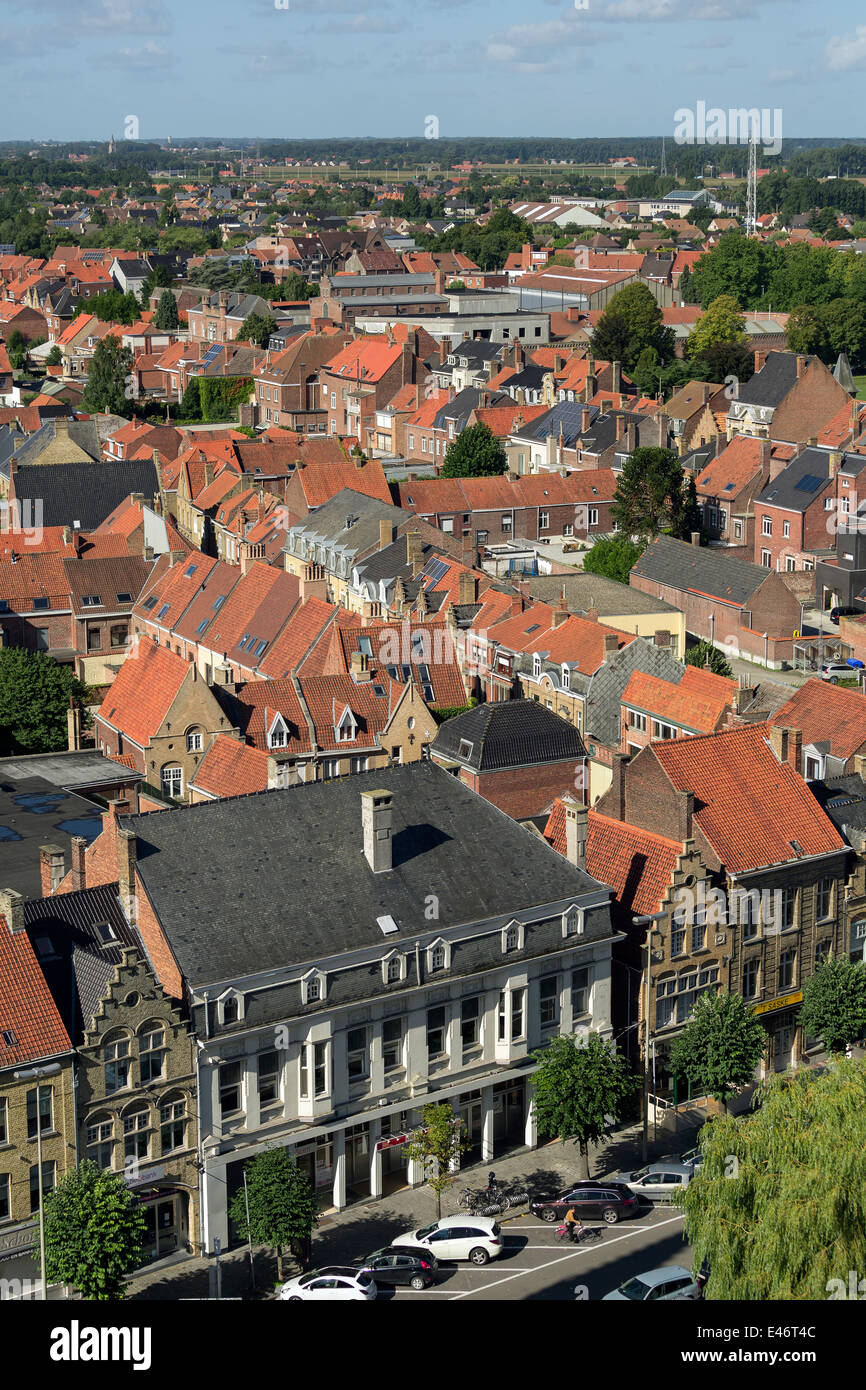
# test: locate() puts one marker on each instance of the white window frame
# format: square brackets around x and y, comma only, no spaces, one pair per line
[223,1000]
[314,987]
[510,929]
[394,957]
[573,921]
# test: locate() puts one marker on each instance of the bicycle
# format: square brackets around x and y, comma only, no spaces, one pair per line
[584,1233]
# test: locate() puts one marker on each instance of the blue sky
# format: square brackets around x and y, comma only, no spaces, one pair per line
[75,69]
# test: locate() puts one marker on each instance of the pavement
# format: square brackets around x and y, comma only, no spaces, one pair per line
[533,1264]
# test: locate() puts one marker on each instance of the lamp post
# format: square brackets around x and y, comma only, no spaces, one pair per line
[37,1073]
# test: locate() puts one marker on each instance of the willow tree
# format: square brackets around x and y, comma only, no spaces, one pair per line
[779,1207]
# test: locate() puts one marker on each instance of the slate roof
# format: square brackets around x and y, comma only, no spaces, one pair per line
[803,480]
[563,418]
[604,696]
[699,569]
[77,963]
[586,591]
[510,733]
[84,494]
[327,525]
[86,768]
[207,867]
[843,799]
[772,383]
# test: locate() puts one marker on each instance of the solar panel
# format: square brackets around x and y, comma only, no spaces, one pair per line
[212,354]
[809,483]
[436,569]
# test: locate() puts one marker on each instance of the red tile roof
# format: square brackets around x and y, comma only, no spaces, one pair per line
[231,768]
[701,710]
[826,713]
[367,359]
[636,864]
[27,1010]
[748,805]
[143,690]
[322,481]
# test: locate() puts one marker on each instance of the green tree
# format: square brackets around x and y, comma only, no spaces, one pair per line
[779,1208]
[806,331]
[722,322]
[578,1086]
[475,453]
[166,315]
[55,357]
[709,658]
[257,328]
[112,307]
[94,1228]
[834,1003]
[720,1046]
[631,322]
[653,495]
[437,1145]
[35,695]
[107,378]
[16,347]
[282,1206]
[613,556]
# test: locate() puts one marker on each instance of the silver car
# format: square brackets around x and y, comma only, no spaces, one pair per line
[657,1181]
[666,1284]
[834,671]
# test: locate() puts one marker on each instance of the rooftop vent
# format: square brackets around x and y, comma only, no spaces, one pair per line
[387,925]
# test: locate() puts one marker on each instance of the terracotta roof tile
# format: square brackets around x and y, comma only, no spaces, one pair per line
[231,768]
[28,1013]
[143,690]
[826,713]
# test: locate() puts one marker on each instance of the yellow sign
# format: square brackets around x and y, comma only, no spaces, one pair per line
[796,633]
[785,1001]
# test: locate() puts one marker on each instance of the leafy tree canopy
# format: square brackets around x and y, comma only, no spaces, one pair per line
[709,658]
[475,453]
[653,495]
[94,1228]
[720,1046]
[631,322]
[166,315]
[834,1003]
[35,693]
[282,1205]
[106,389]
[257,329]
[723,322]
[613,556]
[578,1086]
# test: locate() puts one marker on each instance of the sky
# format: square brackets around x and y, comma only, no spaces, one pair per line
[78,69]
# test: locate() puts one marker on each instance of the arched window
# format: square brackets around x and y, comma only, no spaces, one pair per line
[151,1050]
[172,781]
[116,1060]
[100,1139]
[437,958]
[194,740]
[230,1009]
[172,1121]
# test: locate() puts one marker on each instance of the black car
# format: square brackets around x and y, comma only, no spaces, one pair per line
[610,1200]
[842,612]
[395,1266]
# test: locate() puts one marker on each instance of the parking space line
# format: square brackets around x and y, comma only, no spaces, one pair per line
[568,1256]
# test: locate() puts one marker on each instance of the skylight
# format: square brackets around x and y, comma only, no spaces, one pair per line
[387,925]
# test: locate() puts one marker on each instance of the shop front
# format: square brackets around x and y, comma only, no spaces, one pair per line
[392,1151]
[780,1018]
[472,1115]
[357,1162]
[316,1160]
[509,1116]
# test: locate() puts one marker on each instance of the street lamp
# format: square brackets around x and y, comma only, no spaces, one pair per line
[36,1073]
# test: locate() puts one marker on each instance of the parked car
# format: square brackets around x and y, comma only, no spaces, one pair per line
[693,1157]
[394,1267]
[842,612]
[834,671]
[607,1198]
[475,1238]
[670,1282]
[656,1181]
[333,1282]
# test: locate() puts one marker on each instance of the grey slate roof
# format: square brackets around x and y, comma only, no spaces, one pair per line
[327,524]
[799,483]
[75,961]
[585,591]
[772,383]
[767,698]
[844,801]
[701,569]
[564,417]
[606,687]
[464,403]
[511,733]
[85,493]
[279,878]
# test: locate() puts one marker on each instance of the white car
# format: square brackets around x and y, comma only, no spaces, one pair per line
[669,1283]
[335,1282]
[475,1238]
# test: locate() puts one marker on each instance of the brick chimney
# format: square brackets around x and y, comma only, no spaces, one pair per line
[126,857]
[560,616]
[685,813]
[517,605]
[760,359]
[779,742]
[695,537]
[376,823]
[387,533]
[611,645]
[835,462]
[616,804]
[664,426]
[414,552]
[360,668]
[585,419]
[855,414]
[661,638]
[591,615]
[631,437]
[620,426]
[12,908]
[78,868]
[52,868]
[616,376]
[801,365]
[576,834]
[467,588]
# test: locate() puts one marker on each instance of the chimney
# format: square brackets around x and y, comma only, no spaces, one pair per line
[126,856]
[620,426]
[516,605]
[78,869]
[575,834]
[585,417]
[591,615]
[812,441]
[560,616]
[795,749]
[835,462]
[414,552]
[616,376]
[664,424]
[631,437]
[67,535]
[779,742]
[801,365]
[695,537]
[12,908]
[619,763]
[765,452]
[360,667]
[855,414]
[743,696]
[760,359]
[52,868]
[376,822]
[387,532]
[467,588]
[73,727]
[119,806]
[611,645]
[685,812]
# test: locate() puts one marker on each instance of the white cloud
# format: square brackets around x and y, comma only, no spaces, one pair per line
[104,16]
[846,52]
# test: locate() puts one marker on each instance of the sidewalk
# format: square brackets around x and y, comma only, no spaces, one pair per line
[370,1224]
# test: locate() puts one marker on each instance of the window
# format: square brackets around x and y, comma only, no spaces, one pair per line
[790,564]
[357,1055]
[543,520]
[231,1010]
[678,933]
[665,1001]
[518,1014]
[512,937]
[699,931]
[3,1123]
[437,957]
[151,1052]
[4,1196]
[750,979]
[822,952]
[172,781]
[268,1072]
[119,634]
[94,639]
[100,1140]
[393,1031]
[824,899]
[229,1088]
[748,913]
[637,721]
[787,907]
[115,1056]
[436,1026]
[194,741]
[172,1116]
[136,1134]
[765,558]
[572,922]
[548,996]
[312,989]
[786,529]
[45,1111]
[393,969]
[580,991]
[787,968]
[48,1171]
[470,1025]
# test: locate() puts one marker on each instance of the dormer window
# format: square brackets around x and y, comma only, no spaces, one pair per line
[278,733]
[536,664]
[313,987]
[512,937]
[572,921]
[346,728]
[566,677]
[438,956]
[465,749]
[394,968]
[230,1009]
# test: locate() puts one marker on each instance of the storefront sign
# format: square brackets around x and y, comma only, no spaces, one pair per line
[785,1001]
[17,1242]
[392,1141]
[134,1175]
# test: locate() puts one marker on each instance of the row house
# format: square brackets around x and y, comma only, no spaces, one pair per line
[219,317]
[78,343]
[745,610]
[491,511]
[790,397]
[778,862]
[727,486]
[287,385]
[654,708]
[825,727]
[348,529]
[329,1039]
[692,413]
[798,513]
[323,470]
[361,379]
[344,299]
[843,799]
[423,653]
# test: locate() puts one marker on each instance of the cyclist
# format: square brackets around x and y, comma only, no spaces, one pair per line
[574,1224]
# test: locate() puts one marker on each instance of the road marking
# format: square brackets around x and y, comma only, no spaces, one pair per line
[570,1255]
